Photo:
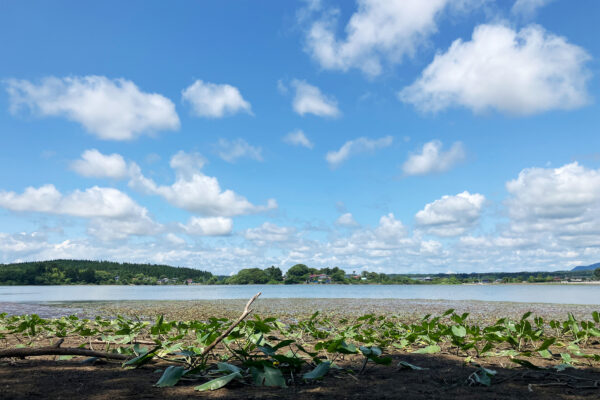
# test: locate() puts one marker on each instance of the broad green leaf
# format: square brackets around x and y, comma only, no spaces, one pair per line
[404,364]
[226,367]
[218,383]
[547,343]
[432,349]
[562,367]
[268,377]
[566,358]
[171,376]
[525,363]
[545,353]
[482,378]
[319,371]
[596,316]
[526,315]
[141,359]
[459,331]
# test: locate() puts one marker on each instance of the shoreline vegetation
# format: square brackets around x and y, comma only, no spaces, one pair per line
[501,353]
[78,272]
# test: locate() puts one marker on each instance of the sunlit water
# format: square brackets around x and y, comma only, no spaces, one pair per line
[561,294]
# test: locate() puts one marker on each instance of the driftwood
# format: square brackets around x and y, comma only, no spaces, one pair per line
[56,350]
[247,311]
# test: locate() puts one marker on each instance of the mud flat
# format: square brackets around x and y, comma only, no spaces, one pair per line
[298,308]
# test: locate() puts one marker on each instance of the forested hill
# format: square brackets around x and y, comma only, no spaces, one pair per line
[586,267]
[64,272]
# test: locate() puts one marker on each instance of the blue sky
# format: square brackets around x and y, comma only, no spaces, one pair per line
[393,136]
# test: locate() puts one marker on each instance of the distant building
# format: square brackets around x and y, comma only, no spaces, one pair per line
[189,281]
[319,278]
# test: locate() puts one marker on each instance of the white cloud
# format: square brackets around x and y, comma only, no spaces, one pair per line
[174,239]
[97,165]
[187,164]
[93,202]
[196,192]
[346,220]
[298,138]
[561,201]
[269,232]
[519,73]
[451,215]
[108,229]
[356,146]
[111,213]
[112,109]
[390,229]
[378,32]
[432,159]
[310,100]
[212,226]
[231,150]
[214,100]
[528,8]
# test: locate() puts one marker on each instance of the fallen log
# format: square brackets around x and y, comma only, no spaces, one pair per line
[59,351]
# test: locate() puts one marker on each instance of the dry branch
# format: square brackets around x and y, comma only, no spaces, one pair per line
[59,351]
[247,311]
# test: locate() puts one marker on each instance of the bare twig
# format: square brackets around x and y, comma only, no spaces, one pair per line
[247,311]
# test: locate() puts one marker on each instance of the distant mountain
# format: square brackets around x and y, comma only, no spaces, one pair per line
[586,267]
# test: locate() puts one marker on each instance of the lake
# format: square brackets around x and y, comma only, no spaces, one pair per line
[561,294]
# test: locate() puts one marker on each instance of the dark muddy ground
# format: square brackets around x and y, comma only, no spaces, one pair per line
[446,378]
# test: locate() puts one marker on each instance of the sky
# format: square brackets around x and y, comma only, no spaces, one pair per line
[396,136]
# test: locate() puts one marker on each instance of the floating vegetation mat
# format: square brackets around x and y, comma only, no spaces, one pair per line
[307,347]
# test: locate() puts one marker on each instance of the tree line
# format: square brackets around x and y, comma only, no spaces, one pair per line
[64,272]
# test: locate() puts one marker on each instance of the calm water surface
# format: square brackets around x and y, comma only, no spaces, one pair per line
[562,294]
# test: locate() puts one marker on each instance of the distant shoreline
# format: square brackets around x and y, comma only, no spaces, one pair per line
[334,284]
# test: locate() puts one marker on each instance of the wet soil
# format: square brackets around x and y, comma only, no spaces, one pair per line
[445,378]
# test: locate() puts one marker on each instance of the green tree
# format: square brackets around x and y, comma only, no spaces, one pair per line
[597,273]
[297,274]
[88,275]
[249,276]
[338,276]
[274,273]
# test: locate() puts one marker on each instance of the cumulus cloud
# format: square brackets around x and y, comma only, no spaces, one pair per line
[390,229]
[356,146]
[211,226]
[309,100]
[346,220]
[269,232]
[433,159]
[231,150]
[519,73]
[111,109]
[111,213]
[98,165]
[93,202]
[378,32]
[528,8]
[109,229]
[564,200]
[212,100]
[451,215]
[195,192]
[298,138]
